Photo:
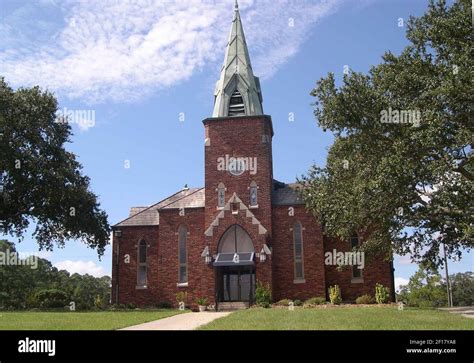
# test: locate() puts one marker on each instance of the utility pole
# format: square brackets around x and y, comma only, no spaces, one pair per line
[448,282]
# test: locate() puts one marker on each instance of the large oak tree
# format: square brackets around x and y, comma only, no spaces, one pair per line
[41,181]
[407,185]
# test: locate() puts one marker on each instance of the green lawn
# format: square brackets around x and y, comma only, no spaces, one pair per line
[101,320]
[341,318]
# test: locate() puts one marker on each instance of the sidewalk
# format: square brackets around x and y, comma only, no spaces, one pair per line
[466,311]
[186,321]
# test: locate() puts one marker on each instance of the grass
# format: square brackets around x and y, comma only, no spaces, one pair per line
[341,318]
[100,320]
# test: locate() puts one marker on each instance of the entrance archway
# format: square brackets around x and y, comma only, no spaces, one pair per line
[235,267]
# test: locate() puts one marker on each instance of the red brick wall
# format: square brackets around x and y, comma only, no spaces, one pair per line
[127,244]
[239,137]
[283,255]
[375,271]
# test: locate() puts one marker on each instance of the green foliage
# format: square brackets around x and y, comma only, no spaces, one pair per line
[462,286]
[425,289]
[263,295]
[407,187]
[317,300]
[42,181]
[50,299]
[283,302]
[297,302]
[164,305]
[181,296]
[335,294]
[202,301]
[365,299]
[20,284]
[381,294]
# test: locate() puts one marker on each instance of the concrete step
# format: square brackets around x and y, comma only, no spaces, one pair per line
[231,306]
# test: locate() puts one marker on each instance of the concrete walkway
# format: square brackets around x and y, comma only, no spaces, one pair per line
[185,321]
[466,311]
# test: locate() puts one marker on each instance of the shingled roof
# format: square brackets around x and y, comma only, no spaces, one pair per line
[149,216]
[282,194]
[285,194]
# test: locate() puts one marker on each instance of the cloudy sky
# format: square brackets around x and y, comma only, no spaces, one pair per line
[145,73]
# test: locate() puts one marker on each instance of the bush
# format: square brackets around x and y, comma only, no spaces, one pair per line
[317,300]
[202,301]
[283,302]
[335,294]
[297,302]
[131,306]
[381,294]
[51,299]
[263,295]
[365,299]
[98,302]
[164,305]
[181,296]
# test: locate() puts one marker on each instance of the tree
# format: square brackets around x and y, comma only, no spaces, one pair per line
[401,169]
[41,285]
[40,179]
[462,285]
[425,289]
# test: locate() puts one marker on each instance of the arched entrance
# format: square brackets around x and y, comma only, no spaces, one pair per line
[235,266]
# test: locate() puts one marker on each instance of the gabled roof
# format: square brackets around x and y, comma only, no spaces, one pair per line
[237,74]
[149,216]
[286,194]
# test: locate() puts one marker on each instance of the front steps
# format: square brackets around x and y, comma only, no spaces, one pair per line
[232,306]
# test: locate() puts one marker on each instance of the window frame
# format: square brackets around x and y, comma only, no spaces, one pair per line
[141,265]
[181,281]
[253,186]
[359,277]
[300,259]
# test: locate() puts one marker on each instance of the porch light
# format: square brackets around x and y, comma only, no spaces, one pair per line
[263,255]
[208,258]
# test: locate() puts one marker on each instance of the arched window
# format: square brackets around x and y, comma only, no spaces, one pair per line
[298,250]
[356,271]
[253,194]
[221,195]
[182,255]
[142,264]
[235,239]
[236,104]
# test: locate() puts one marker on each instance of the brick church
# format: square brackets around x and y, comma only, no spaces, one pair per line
[243,226]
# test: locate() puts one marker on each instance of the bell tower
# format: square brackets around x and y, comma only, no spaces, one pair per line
[238,137]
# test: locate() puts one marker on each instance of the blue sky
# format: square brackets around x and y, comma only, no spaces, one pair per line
[141,66]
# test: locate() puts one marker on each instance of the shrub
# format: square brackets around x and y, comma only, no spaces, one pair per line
[202,301]
[316,300]
[381,294]
[163,305]
[181,296]
[335,294]
[297,302]
[51,299]
[263,295]
[98,302]
[131,306]
[283,302]
[365,299]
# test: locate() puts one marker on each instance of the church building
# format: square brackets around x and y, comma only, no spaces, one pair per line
[242,227]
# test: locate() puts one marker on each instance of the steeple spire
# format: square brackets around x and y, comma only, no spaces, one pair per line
[238,91]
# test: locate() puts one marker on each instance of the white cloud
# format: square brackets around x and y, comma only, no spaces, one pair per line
[81,267]
[399,281]
[124,50]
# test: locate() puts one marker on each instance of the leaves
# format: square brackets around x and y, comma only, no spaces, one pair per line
[42,181]
[406,186]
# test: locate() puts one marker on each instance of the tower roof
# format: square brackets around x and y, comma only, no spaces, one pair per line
[237,91]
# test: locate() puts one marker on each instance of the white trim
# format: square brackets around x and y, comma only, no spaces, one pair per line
[182,284]
[299,281]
